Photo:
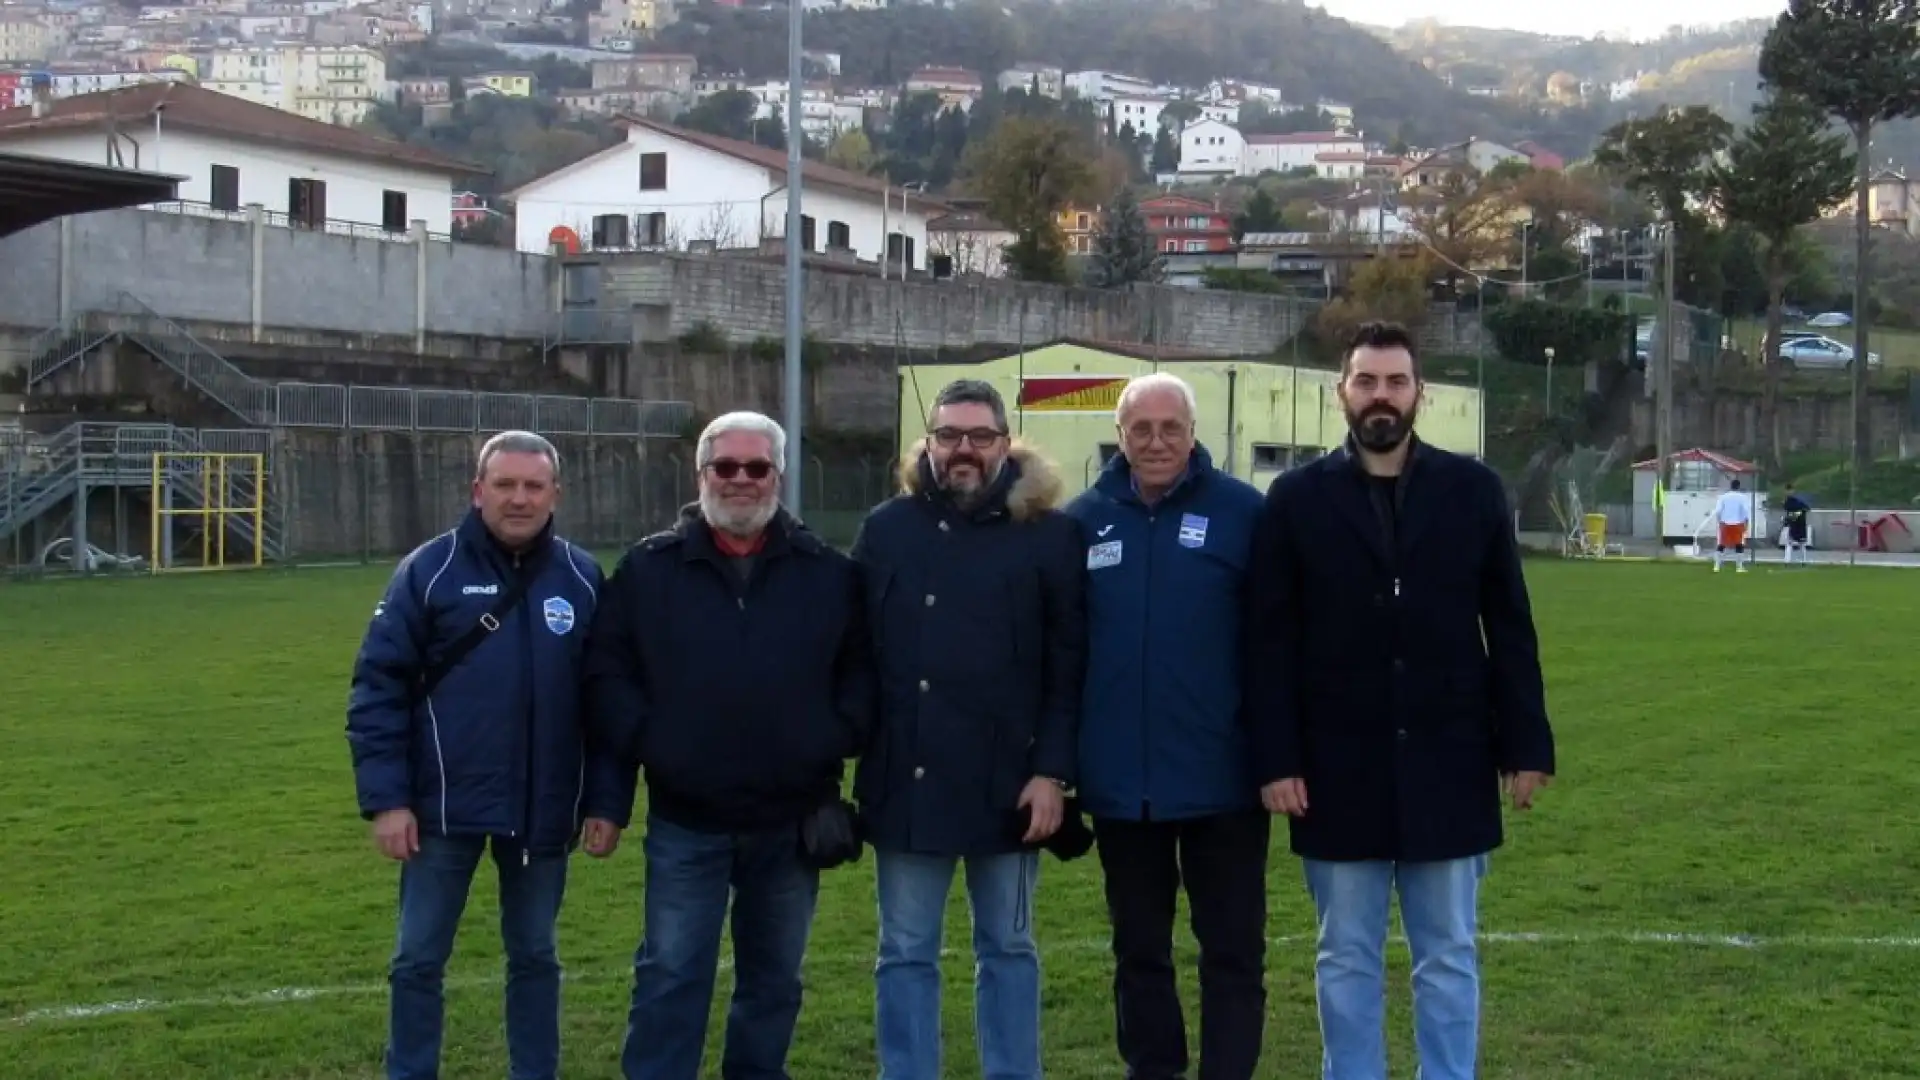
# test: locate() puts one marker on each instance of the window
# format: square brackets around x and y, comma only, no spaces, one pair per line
[653,172]
[610,231]
[1107,451]
[393,211]
[1196,245]
[652,228]
[307,203]
[839,236]
[1271,456]
[806,232]
[1173,245]
[900,251]
[224,189]
[1082,223]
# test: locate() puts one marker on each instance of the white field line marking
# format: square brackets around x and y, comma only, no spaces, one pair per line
[285,994]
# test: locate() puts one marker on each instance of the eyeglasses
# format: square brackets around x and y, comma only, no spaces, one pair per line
[727,468]
[1171,433]
[981,437]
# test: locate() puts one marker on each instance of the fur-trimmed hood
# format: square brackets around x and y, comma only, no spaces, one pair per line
[1037,487]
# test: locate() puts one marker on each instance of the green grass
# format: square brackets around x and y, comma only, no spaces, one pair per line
[1737,758]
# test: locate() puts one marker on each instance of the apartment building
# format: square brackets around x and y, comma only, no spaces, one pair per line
[337,84]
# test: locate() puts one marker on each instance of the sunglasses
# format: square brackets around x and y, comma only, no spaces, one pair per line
[727,468]
[981,437]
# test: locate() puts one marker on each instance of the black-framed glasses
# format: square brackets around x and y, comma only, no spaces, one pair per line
[981,437]
[727,468]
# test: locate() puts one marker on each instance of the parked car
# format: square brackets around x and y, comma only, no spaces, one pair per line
[1830,319]
[1813,351]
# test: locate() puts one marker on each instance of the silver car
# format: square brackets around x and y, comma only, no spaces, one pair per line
[1811,351]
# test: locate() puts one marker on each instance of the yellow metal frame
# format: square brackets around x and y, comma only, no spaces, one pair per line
[215,475]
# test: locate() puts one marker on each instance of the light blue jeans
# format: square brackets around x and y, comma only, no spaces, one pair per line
[1006,974]
[1438,901]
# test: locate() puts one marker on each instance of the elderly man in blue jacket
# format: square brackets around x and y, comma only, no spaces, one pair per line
[1164,767]
[465,722]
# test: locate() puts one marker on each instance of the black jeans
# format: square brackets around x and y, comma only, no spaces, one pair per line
[1223,863]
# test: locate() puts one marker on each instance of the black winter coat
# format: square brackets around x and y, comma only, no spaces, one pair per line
[979,631]
[741,698]
[1367,675]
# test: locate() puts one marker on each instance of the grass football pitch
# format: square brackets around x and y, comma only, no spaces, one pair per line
[1721,885]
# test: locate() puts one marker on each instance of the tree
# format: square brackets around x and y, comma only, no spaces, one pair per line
[1394,289]
[1859,61]
[1466,225]
[1166,152]
[852,151]
[1260,214]
[1668,160]
[1029,170]
[1123,250]
[1784,171]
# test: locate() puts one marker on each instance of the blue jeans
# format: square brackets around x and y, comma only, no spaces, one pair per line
[1438,901]
[690,876]
[433,895]
[1006,974]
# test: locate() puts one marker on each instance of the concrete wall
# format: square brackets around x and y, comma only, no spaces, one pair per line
[1730,421]
[252,274]
[375,495]
[665,296]
[846,388]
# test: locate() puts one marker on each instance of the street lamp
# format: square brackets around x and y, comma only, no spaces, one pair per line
[1549,351]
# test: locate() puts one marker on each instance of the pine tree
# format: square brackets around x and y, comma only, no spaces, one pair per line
[1122,250]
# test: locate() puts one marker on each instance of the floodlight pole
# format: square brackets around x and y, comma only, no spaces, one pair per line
[796,295]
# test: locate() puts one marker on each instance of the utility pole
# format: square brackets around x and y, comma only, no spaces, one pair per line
[1663,378]
[796,294]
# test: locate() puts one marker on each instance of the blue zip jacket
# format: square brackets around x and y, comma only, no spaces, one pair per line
[1161,737]
[497,749]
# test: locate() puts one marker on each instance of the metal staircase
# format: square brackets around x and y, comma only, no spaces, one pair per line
[164,339]
[89,455]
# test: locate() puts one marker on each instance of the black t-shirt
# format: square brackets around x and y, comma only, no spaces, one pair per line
[1382,493]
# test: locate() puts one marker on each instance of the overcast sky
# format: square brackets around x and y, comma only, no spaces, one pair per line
[1635,18]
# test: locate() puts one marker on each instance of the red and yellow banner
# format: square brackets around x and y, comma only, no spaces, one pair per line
[1071,393]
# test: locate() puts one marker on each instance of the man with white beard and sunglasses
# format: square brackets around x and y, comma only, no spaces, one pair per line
[1393,692]
[729,660]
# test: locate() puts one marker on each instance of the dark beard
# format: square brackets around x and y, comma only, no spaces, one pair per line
[1381,428]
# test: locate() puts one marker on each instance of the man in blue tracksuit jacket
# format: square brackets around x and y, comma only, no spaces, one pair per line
[1163,752]
[465,722]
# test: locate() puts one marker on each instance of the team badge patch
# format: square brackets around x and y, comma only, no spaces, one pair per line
[1101,556]
[1193,530]
[559,614]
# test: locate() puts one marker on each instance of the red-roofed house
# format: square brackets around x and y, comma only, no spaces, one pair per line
[669,188]
[1540,157]
[1294,150]
[956,88]
[233,152]
[1186,225]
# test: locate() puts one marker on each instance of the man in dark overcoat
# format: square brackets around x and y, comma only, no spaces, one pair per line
[1393,692]
[975,593]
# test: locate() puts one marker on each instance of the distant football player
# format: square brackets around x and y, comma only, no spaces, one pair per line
[1733,511]
[1793,537]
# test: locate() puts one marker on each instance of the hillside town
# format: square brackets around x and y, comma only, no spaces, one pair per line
[226,89]
[328,62]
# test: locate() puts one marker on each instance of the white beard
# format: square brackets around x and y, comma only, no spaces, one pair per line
[736,522]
